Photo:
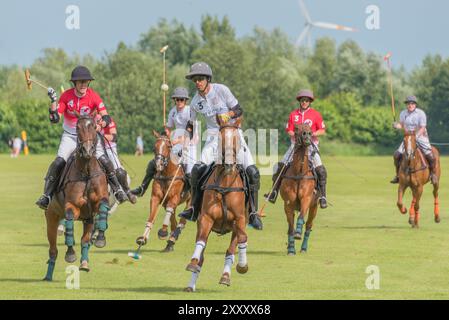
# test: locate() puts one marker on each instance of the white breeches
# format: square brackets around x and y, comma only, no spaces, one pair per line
[68,145]
[315,159]
[423,144]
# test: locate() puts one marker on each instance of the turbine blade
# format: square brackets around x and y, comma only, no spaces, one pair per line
[332,26]
[302,35]
[304,11]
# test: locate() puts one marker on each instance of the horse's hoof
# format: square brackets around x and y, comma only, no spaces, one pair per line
[291,252]
[404,211]
[225,279]
[169,248]
[241,270]
[100,241]
[162,234]
[49,279]
[188,289]
[411,221]
[303,250]
[437,219]
[192,267]
[84,266]
[297,236]
[141,241]
[70,257]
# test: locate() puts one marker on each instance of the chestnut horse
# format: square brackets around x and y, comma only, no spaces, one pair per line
[298,190]
[414,173]
[223,208]
[82,194]
[168,175]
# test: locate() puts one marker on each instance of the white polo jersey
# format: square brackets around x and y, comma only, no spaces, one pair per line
[218,100]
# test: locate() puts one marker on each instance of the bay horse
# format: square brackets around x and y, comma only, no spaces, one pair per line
[82,193]
[167,173]
[224,208]
[414,173]
[298,190]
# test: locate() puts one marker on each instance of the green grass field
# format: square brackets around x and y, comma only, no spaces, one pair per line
[362,228]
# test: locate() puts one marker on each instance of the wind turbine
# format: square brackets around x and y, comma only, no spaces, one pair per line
[310,24]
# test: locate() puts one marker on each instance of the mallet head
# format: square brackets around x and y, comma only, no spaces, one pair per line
[163,49]
[27,78]
[134,255]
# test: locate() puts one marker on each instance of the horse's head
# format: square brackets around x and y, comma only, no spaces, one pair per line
[229,142]
[303,136]
[87,137]
[409,145]
[162,149]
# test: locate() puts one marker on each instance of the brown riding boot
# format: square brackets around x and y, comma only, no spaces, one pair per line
[274,194]
[432,162]
[397,162]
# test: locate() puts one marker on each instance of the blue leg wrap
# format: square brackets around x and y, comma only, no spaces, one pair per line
[101,222]
[69,239]
[299,225]
[85,251]
[305,241]
[291,244]
[51,267]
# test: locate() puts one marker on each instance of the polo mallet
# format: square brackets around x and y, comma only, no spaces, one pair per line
[164,86]
[390,78]
[30,81]
[261,214]
[135,255]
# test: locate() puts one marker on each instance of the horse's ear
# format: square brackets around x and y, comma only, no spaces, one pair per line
[156,134]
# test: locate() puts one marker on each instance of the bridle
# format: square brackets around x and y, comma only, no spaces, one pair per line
[231,126]
[159,156]
[80,143]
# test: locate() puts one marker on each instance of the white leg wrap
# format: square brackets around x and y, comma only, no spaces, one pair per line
[148,227]
[199,247]
[229,261]
[242,254]
[181,226]
[194,278]
[168,216]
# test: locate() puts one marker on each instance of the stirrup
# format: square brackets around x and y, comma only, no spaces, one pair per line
[40,202]
[121,196]
[395,180]
[187,214]
[323,202]
[255,221]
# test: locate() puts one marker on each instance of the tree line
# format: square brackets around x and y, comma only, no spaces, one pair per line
[264,70]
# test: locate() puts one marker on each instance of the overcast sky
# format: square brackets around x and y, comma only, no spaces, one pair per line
[410,29]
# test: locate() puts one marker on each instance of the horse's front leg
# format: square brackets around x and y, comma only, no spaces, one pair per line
[204,225]
[400,202]
[156,199]
[289,208]
[52,226]
[88,227]
[436,206]
[72,213]
[417,193]
[170,218]
[312,214]
[242,240]
[101,223]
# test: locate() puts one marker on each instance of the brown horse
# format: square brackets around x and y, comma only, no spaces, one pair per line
[297,190]
[168,175]
[223,208]
[414,173]
[83,194]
